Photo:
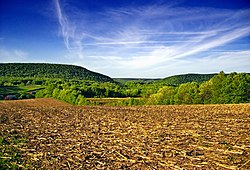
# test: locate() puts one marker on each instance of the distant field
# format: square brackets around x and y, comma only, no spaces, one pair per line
[109,101]
[54,135]
[5,90]
[40,102]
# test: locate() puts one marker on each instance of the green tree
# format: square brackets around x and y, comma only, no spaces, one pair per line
[206,92]
[81,100]
[218,87]
[165,95]
[237,88]
[188,93]
[56,93]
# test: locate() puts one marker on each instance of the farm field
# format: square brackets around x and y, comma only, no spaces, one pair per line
[49,134]
[5,90]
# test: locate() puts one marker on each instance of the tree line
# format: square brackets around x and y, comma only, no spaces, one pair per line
[221,88]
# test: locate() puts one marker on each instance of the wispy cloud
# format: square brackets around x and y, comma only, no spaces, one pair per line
[12,55]
[66,30]
[72,39]
[229,61]
[148,36]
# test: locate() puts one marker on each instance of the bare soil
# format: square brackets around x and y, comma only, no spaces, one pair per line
[60,136]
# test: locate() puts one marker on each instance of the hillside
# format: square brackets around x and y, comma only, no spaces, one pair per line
[172,80]
[42,70]
[184,78]
[139,80]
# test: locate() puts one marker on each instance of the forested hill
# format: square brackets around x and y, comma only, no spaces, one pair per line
[185,78]
[172,80]
[42,70]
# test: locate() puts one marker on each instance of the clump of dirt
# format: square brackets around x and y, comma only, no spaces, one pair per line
[147,137]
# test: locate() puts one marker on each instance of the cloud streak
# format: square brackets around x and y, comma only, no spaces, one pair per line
[66,31]
[148,36]
[72,39]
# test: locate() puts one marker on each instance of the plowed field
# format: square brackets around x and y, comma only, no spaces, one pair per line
[60,136]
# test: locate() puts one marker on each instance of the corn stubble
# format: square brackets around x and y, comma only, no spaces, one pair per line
[147,137]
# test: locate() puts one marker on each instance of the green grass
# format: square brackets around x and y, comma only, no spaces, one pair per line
[6,90]
[10,156]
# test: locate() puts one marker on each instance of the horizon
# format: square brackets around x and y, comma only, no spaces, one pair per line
[139,39]
[136,78]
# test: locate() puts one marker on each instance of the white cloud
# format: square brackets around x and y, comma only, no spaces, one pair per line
[66,31]
[235,61]
[13,55]
[148,37]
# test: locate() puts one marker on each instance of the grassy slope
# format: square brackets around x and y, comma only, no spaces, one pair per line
[6,90]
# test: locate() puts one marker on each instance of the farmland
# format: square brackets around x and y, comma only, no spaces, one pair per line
[15,89]
[49,134]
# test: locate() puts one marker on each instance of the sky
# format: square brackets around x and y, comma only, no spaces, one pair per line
[129,38]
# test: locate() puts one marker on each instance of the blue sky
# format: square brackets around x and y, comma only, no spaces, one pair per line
[122,38]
